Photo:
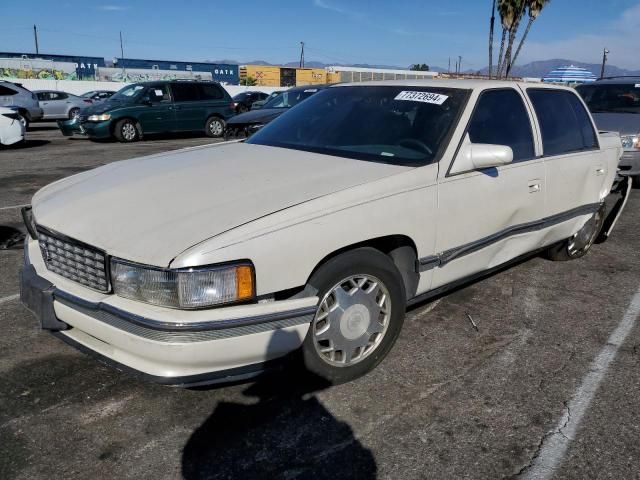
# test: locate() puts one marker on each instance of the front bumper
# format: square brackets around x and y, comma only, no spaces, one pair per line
[90,129]
[630,163]
[14,133]
[171,353]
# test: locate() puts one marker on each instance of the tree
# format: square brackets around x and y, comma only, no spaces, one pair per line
[516,9]
[491,28]
[420,67]
[507,14]
[534,7]
[249,82]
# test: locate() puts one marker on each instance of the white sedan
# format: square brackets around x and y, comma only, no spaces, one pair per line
[209,263]
[11,128]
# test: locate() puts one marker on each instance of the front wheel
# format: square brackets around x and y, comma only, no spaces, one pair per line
[215,127]
[579,244]
[359,315]
[126,131]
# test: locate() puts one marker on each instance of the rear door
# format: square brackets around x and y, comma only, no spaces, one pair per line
[486,217]
[215,100]
[190,111]
[575,168]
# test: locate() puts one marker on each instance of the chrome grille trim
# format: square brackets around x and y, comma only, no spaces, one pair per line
[74,260]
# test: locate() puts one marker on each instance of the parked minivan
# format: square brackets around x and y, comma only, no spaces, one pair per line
[155,107]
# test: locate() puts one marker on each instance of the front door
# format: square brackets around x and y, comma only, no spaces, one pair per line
[155,113]
[486,217]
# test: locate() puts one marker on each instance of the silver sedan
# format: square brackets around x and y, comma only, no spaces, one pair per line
[60,105]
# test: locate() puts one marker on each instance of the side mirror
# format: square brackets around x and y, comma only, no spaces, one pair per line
[476,156]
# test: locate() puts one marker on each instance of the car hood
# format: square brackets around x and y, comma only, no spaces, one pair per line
[105,106]
[263,115]
[151,209]
[624,123]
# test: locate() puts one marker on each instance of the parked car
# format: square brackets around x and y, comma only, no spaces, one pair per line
[208,264]
[98,95]
[250,122]
[260,103]
[155,107]
[23,101]
[615,105]
[242,102]
[56,105]
[11,128]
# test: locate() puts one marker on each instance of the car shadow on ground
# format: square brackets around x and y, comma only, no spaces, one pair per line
[11,238]
[25,144]
[282,431]
[42,127]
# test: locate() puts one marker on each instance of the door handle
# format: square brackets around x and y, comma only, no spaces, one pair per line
[534,186]
[600,170]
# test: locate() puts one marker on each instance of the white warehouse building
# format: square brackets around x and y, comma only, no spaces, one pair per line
[357,74]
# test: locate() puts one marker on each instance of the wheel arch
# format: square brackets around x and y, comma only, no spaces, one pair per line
[400,248]
[114,122]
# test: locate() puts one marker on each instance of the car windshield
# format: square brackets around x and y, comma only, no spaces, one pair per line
[289,98]
[88,94]
[389,124]
[612,98]
[128,92]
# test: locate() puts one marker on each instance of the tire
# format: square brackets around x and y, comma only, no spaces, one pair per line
[349,280]
[126,131]
[636,181]
[215,127]
[73,113]
[579,244]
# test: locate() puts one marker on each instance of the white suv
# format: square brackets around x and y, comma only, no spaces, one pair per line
[206,264]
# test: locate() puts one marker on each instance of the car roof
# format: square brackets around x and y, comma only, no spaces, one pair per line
[622,80]
[465,84]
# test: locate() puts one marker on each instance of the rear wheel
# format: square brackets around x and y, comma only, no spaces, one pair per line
[579,244]
[359,316]
[214,127]
[126,130]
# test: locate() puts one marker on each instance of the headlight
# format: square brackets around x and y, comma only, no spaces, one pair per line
[99,118]
[631,141]
[187,288]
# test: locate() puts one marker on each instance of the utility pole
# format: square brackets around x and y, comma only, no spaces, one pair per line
[301,54]
[124,73]
[459,64]
[449,70]
[35,35]
[605,52]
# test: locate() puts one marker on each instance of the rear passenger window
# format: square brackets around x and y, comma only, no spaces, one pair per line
[5,91]
[185,92]
[564,122]
[500,118]
[211,92]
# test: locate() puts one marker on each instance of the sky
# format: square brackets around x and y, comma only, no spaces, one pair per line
[398,32]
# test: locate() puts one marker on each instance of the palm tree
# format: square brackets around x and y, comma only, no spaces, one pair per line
[491,28]
[518,7]
[535,7]
[507,14]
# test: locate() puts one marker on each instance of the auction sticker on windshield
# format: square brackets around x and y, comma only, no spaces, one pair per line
[425,97]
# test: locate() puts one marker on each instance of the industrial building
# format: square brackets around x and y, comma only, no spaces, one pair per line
[274,76]
[85,67]
[220,72]
[336,74]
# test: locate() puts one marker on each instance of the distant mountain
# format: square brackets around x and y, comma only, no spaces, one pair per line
[540,68]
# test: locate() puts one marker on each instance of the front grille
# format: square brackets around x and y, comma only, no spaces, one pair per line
[74,260]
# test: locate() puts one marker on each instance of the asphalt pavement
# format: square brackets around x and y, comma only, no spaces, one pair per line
[546,385]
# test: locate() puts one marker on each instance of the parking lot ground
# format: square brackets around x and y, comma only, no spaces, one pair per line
[449,402]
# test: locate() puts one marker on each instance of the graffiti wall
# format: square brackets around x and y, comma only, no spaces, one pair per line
[108,74]
[42,69]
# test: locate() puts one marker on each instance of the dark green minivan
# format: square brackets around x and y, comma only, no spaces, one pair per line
[155,107]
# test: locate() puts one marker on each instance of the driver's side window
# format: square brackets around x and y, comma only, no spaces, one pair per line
[500,118]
